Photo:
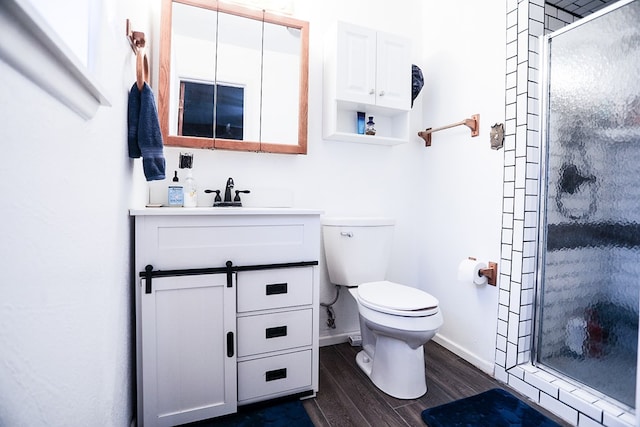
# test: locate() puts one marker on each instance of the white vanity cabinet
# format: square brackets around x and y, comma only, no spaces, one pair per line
[226,309]
[366,71]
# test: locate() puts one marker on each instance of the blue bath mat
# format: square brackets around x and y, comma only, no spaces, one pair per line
[283,414]
[493,408]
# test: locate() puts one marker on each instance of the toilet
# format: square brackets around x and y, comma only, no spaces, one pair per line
[395,320]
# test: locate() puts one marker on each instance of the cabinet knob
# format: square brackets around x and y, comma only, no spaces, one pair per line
[372,91]
[381,93]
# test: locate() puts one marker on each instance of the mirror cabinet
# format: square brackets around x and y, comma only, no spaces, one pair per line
[232,78]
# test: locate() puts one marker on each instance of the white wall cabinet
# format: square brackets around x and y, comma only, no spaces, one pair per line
[366,71]
[213,335]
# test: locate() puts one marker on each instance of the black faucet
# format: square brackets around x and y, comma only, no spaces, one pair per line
[227,195]
[227,192]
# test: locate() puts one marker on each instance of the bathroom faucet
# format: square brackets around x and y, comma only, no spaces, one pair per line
[227,195]
[227,192]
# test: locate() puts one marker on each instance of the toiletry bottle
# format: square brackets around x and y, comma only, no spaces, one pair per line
[176,197]
[190,191]
[370,129]
[360,122]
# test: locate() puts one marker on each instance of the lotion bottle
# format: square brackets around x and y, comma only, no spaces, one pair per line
[190,191]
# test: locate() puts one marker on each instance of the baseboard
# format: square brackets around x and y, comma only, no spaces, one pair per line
[483,365]
[335,339]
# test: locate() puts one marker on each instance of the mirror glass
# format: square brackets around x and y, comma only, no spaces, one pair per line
[232,78]
[281,60]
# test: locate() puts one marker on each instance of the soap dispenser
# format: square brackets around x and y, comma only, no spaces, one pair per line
[176,197]
[190,191]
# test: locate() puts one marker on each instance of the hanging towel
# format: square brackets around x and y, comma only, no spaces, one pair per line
[144,137]
[133,115]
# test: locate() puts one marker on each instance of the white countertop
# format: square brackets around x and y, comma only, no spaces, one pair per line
[221,211]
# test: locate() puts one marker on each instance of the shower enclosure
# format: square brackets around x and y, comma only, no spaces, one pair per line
[589,245]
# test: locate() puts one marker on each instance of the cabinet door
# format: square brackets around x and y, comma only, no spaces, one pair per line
[393,75]
[356,62]
[188,349]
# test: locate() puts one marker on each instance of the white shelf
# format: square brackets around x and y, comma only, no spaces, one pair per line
[392,126]
[365,139]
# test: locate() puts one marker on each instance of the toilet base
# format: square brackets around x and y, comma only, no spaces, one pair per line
[396,369]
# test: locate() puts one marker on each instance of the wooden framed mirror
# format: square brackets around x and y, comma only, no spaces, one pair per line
[232,78]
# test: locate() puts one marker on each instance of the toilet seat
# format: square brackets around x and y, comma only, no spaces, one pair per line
[396,299]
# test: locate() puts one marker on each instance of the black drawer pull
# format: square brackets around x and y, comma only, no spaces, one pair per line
[276,374]
[276,288]
[230,344]
[278,331]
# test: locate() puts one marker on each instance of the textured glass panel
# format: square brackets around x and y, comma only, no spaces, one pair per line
[590,260]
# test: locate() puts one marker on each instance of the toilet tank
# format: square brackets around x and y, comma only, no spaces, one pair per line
[357,249]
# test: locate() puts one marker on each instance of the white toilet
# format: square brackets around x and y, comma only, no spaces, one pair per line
[395,320]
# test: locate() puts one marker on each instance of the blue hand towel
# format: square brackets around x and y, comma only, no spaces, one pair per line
[133,115]
[144,135]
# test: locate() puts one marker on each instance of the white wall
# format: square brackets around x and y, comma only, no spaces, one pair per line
[65,297]
[464,50]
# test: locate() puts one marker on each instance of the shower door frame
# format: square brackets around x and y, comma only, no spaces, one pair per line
[520,228]
[545,63]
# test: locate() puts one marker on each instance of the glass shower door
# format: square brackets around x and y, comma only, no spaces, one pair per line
[589,253]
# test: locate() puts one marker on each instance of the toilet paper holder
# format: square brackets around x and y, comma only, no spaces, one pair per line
[491,272]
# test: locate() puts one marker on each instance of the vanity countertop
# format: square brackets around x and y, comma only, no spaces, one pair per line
[221,211]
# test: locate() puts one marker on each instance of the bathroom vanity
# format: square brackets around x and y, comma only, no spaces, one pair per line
[226,309]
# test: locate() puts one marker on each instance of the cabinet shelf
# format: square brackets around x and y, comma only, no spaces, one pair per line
[392,126]
[365,139]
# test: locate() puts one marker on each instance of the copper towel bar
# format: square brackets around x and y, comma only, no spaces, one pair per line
[473,123]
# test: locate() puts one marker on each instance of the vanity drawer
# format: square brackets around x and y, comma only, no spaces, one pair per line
[277,288]
[176,241]
[272,375]
[273,332]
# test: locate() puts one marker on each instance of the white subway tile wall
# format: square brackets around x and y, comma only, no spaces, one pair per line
[527,21]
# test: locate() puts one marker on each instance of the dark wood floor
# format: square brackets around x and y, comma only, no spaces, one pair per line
[346,396]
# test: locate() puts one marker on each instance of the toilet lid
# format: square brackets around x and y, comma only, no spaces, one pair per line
[393,298]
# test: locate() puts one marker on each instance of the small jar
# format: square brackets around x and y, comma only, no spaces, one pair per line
[370,128]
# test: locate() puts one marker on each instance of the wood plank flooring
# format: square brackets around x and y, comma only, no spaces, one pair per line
[346,396]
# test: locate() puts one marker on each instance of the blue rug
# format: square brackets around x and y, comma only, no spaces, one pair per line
[493,408]
[282,414]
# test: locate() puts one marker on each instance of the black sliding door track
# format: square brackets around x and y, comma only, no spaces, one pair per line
[229,269]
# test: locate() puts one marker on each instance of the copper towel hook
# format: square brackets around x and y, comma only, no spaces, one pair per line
[137,42]
[142,68]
